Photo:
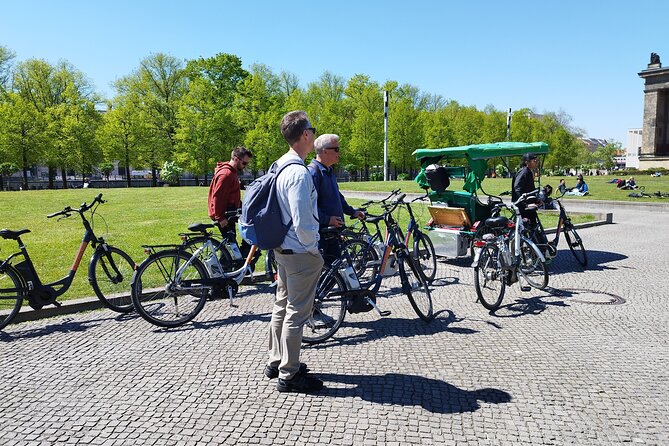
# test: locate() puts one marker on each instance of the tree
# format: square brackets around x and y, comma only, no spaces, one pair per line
[106,168]
[157,88]
[366,102]
[6,57]
[171,173]
[22,134]
[207,131]
[405,127]
[259,106]
[6,169]
[606,156]
[64,99]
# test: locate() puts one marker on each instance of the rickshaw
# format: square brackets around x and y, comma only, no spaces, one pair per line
[456,213]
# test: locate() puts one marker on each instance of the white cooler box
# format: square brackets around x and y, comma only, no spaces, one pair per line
[445,232]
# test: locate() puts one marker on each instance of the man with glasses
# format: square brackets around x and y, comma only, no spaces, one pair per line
[225,192]
[331,203]
[299,261]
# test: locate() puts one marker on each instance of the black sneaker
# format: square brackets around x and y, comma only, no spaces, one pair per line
[299,383]
[273,372]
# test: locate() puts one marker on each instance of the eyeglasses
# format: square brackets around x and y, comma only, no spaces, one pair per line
[244,163]
[336,149]
[313,129]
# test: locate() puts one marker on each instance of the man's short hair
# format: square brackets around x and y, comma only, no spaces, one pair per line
[293,124]
[240,152]
[325,142]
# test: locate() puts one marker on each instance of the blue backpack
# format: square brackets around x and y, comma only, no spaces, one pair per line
[260,221]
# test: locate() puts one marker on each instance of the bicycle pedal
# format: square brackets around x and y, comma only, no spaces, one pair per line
[525,288]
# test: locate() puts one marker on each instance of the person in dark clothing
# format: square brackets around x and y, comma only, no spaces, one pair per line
[523,182]
[331,203]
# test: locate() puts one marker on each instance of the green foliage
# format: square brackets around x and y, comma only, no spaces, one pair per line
[194,112]
[171,172]
[106,169]
[376,176]
[403,176]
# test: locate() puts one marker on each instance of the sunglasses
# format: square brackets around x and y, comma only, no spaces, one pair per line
[313,129]
[336,149]
[244,163]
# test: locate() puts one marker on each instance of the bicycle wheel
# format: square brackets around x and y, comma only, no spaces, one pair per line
[365,260]
[110,273]
[576,245]
[161,298]
[414,285]
[531,267]
[11,295]
[423,252]
[223,255]
[329,308]
[489,278]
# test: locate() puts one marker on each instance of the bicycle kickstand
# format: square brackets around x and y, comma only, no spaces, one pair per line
[230,293]
[376,307]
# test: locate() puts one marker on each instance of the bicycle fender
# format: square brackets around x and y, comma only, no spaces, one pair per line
[477,256]
[535,248]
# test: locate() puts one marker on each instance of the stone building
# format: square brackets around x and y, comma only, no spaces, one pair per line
[655,135]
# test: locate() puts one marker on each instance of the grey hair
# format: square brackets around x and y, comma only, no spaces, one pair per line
[325,141]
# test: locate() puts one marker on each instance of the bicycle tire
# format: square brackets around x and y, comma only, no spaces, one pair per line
[110,273]
[224,257]
[576,245]
[365,260]
[329,308]
[414,285]
[423,252]
[489,278]
[531,267]
[156,295]
[11,296]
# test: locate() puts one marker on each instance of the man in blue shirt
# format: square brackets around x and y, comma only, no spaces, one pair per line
[331,203]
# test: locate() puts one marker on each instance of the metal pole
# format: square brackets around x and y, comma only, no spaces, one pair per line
[508,126]
[385,135]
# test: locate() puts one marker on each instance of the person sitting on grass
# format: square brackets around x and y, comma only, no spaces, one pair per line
[581,188]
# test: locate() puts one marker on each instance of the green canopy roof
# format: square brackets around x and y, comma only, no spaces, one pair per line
[483,151]
[476,155]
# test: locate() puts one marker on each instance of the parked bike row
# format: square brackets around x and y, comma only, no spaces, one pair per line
[171,286]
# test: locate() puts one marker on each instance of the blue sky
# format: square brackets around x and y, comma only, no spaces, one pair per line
[579,57]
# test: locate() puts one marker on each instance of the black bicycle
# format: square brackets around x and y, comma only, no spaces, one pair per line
[339,289]
[109,271]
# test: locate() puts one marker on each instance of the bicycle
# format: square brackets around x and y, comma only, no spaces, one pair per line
[109,271]
[574,241]
[423,249]
[170,287]
[503,253]
[339,289]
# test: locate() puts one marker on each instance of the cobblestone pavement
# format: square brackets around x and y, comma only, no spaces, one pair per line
[583,363]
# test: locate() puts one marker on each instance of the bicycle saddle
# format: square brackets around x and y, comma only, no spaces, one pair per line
[496,222]
[373,218]
[13,235]
[200,227]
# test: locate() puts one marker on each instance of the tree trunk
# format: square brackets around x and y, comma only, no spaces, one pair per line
[64,174]
[25,171]
[127,167]
[52,177]
[154,181]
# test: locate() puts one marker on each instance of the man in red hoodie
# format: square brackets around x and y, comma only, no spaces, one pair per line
[225,190]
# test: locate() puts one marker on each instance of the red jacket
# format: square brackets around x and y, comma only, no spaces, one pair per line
[224,191]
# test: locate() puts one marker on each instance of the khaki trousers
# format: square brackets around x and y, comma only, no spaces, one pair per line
[295,291]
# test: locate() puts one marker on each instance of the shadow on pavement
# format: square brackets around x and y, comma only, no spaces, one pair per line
[374,329]
[565,262]
[411,390]
[527,306]
[66,326]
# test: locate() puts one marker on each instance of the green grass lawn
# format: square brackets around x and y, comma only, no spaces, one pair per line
[130,218]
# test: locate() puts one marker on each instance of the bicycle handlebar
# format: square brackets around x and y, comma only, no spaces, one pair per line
[83,208]
[392,194]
